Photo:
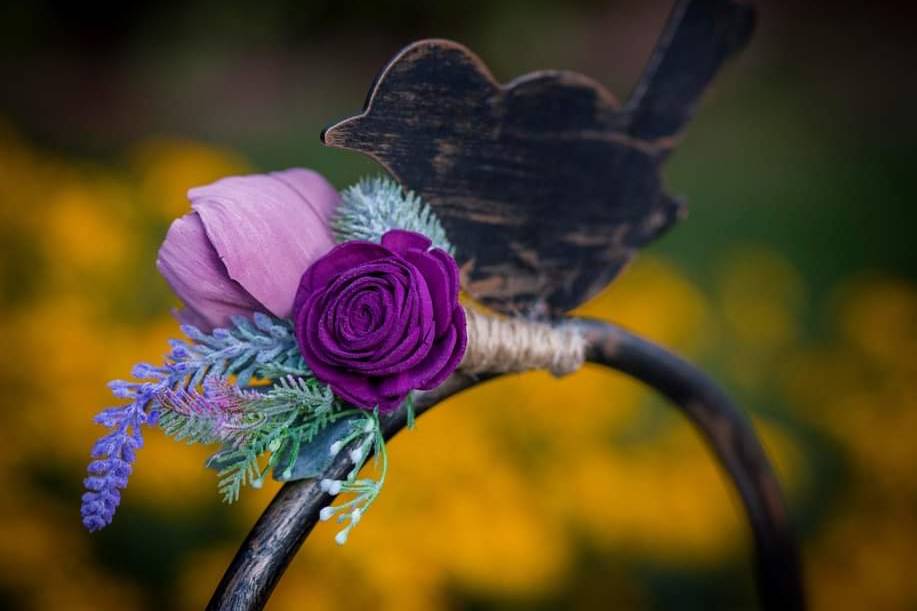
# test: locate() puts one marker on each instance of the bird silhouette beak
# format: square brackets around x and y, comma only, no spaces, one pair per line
[344,134]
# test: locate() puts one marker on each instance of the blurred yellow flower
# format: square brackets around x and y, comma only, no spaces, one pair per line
[761,294]
[86,208]
[168,167]
[651,298]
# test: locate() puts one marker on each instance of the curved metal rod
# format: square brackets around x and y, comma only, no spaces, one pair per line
[288,520]
[731,437]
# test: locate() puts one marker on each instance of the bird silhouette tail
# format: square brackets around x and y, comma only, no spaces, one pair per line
[699,36]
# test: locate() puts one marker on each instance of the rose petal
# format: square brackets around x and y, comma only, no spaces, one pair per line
[438,284]
[390,269]
[193,269]
[354,388]
[361,313]
[307,331]
[398,328]
[452,271]
[375,322]
[397,384]
[340,259]
[413,348]
[267,229]
[406,311]
[401,241]
[435,368]
[414,345]
[390,404]
[455,354]
[335,336]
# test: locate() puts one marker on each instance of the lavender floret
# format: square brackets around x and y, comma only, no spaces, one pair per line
[114,452]
[263,350]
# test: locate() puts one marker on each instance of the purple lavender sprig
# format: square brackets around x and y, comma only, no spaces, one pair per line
[114,453]
[264,347]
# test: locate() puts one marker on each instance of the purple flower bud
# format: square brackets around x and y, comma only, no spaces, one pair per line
[108,474]
[246,244]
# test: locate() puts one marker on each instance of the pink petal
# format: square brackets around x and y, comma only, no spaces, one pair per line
[313,187]
[193,269]
[268,229]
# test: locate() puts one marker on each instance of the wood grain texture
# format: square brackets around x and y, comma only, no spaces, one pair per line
[546,185]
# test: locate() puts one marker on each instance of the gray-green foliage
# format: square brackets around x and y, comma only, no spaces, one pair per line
[264,347]
[375,205]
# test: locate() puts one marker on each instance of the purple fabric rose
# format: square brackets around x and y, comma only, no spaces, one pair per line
[246,243]
[377,321]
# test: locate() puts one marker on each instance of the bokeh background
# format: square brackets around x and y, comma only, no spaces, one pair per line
[792,281]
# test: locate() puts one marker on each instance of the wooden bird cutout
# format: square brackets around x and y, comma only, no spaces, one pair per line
[546,185]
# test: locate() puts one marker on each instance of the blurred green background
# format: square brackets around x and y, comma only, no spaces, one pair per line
[792,281]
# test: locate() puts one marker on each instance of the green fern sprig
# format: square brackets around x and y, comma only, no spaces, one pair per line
[258,429]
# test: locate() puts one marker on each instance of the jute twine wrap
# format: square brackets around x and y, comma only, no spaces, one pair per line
[503,345]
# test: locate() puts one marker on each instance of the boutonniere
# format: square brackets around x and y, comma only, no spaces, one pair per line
[307,314]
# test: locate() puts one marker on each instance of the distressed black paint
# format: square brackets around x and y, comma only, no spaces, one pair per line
[546,185]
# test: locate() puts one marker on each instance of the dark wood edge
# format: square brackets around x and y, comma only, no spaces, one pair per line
[288,520]
[329,137]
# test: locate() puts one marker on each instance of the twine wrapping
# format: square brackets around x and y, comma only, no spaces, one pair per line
[503,345]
